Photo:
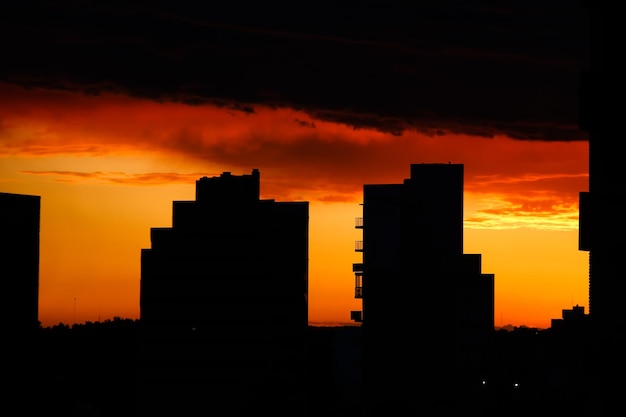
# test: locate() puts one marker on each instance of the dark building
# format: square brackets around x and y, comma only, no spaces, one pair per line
[602,231]
[19,263]
[571,319]
[224,309]
[427,308]
[19,260]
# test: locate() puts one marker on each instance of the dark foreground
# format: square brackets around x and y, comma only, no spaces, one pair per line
[92,370]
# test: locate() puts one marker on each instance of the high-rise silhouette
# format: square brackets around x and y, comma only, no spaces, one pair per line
[19,268]
[224,309]
[19,257]
[427,308]
[601,228]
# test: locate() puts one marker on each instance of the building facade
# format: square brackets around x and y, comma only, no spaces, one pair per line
[427,307]
[19,260]
[224,308]
[601,229]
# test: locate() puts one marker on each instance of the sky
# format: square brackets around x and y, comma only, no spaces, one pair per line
[112,112]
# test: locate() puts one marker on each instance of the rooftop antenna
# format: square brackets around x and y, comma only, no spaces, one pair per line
[74,310]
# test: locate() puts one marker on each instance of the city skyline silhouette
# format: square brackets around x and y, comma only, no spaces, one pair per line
[109,141]
[102,142]
[412,242]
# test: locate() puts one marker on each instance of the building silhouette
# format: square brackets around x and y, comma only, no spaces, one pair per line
[601,227]
[19,260]
[223,304]
[427,307]
[19,263]
[601,230]
[573,319]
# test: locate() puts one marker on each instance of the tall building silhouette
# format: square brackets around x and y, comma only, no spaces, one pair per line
[224,309]
[601,227]
[427,308]
[19,261]
[19,268]
[601,231]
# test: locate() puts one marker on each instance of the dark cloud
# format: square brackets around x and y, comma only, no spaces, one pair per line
[484,68]
[304,123]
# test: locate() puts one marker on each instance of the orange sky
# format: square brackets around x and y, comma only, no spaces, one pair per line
[108,168]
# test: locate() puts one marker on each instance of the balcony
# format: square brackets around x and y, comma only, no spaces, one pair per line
[358,246]
[358,292]
[358,285]
[358,223]
[356,316]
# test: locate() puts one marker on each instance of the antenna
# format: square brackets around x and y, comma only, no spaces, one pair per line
[74,310]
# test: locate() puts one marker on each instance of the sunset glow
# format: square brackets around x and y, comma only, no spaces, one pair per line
[108,168]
